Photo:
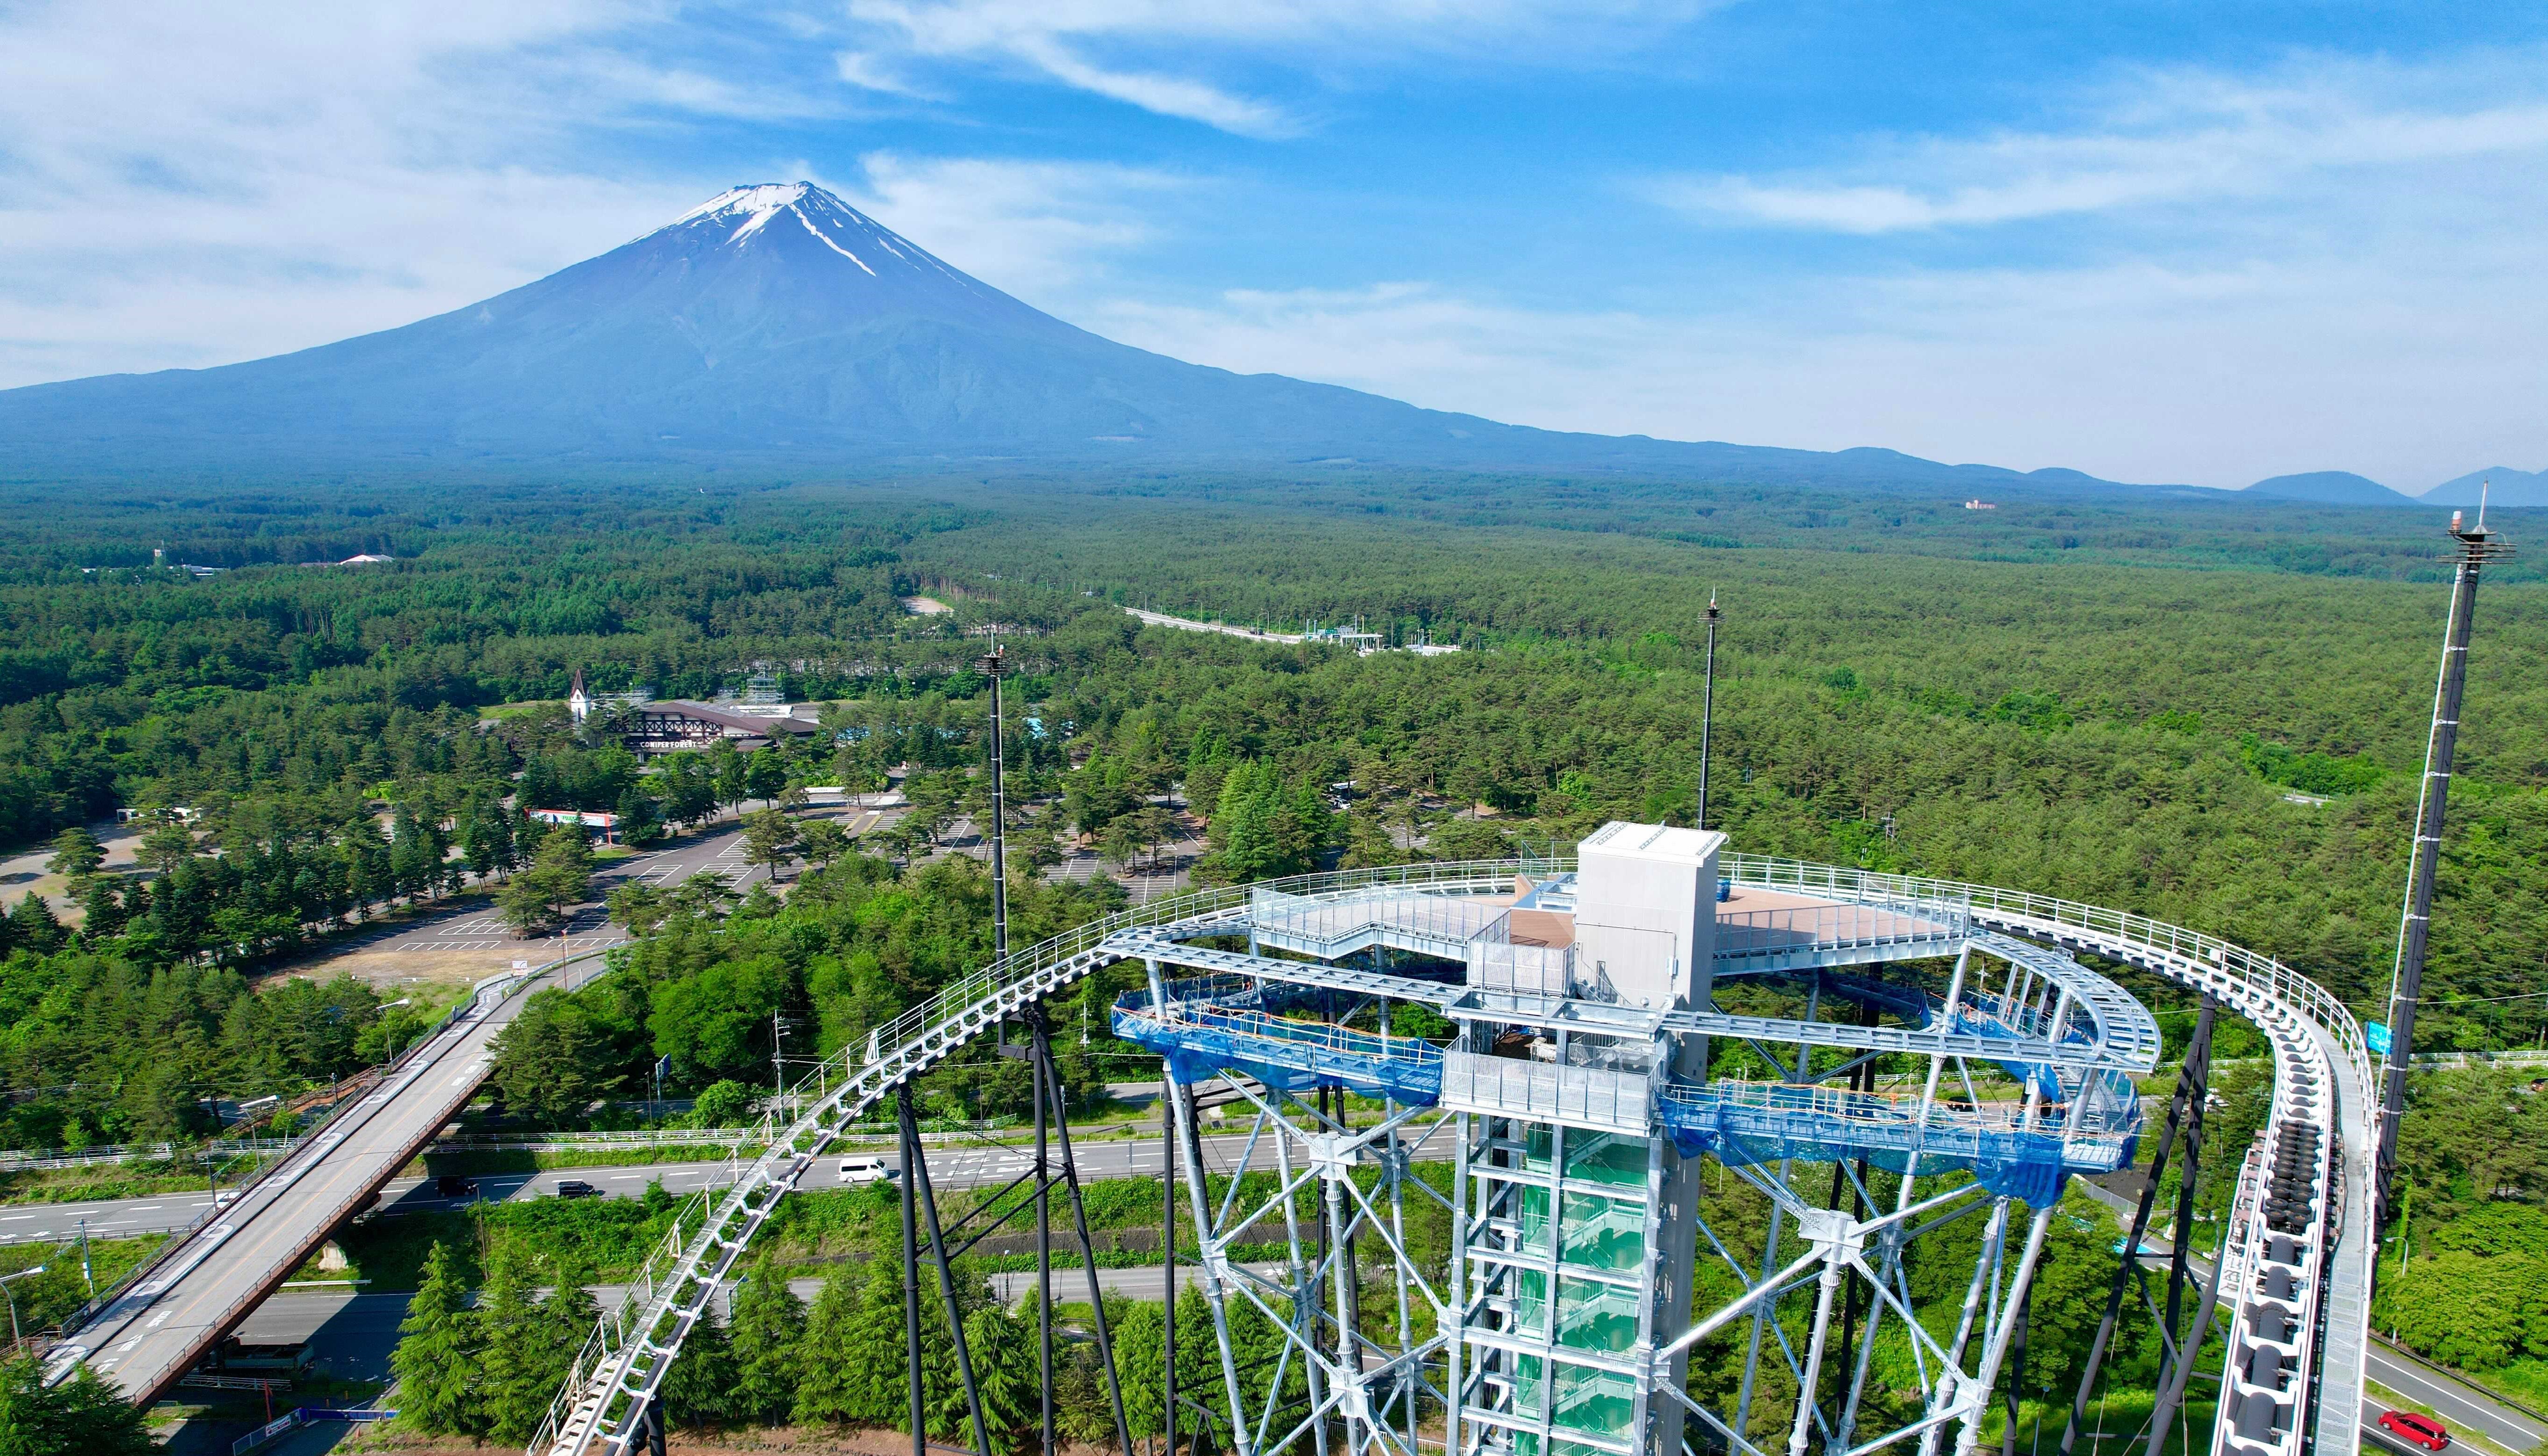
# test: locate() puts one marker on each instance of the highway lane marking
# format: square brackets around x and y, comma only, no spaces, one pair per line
[13,1218]
[2391,1366]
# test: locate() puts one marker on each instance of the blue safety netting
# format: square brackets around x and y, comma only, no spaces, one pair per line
[1244,1030]
[1224,1024]
[2026,1165]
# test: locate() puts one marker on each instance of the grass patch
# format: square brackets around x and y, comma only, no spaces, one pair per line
[2461,1435]
[155,1179]
[47,1298]
[478,1162]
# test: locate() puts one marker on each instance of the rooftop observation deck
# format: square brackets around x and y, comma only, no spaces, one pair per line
[2046,1020]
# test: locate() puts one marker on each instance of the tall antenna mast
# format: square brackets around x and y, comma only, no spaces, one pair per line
[1707,707]
[2471,550]
[995,664]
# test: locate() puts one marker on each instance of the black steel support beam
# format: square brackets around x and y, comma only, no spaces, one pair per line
[916,1172]
[2197,1052]
[1050,1084]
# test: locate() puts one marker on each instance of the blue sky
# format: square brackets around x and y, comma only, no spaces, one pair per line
[2167,241]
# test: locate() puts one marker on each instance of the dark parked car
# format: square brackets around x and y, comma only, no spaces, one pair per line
[577,1188]
[452,1185]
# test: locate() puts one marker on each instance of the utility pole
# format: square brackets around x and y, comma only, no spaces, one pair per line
[2471,550]
[1707,707]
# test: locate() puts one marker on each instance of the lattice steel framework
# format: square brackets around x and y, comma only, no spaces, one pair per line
[1558,1318]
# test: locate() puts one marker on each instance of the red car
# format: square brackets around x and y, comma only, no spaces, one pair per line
[2422,1430]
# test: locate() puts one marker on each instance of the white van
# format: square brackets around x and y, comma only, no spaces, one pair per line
[864,1170]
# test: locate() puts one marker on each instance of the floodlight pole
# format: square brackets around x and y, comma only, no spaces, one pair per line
[2471,550]
[1707,707]
[16,1341]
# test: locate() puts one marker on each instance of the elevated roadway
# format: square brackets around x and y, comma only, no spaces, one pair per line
[238,1251]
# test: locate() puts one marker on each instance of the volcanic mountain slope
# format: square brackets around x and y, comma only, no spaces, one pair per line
[775,325]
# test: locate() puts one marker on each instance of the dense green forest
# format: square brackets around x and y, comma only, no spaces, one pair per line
[2135,706]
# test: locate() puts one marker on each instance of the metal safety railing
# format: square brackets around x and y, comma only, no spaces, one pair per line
[2316,1037]
[633,1347]
[1577,1096]
[305,1149]
[1326,925]
[1746,934]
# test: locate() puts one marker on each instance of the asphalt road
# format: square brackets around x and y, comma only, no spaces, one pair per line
[156,1331]
[2462,1406]
[951,1165]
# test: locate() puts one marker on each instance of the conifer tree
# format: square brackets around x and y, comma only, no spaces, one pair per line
[33,926]
[878,1390]
[567,1317]
[85,1414]
[76,855]
[700,1388]
[1005,1370]
[830,1355]
[769,1336]
[437,1359]
[513,1339]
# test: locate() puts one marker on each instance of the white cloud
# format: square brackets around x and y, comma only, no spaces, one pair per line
[2134,371]
[1038,229]
[1145,52]
[184,189]
[877,73]
[2186,137]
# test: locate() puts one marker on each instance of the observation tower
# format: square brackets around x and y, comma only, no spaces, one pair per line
[1479,1100]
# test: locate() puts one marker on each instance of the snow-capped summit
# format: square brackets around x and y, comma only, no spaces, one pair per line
[755,199]
[743,214]
[772,324]
[800,216]
[772,321]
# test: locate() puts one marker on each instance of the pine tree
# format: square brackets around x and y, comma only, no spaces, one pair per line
[1006,1371]
[567,1318]
[33,926]
[700,1388]
[513,1341]
[830,1356]
[83,1413]
[76,855]
[769,1333]
[437,1359]
[411,870]
[1140,1346]
[880,1392]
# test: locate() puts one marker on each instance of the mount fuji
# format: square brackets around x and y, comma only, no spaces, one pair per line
[775,325]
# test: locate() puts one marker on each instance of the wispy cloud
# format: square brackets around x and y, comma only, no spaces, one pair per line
[1159,55]
[184,189]
[1043,229]
[2156,138]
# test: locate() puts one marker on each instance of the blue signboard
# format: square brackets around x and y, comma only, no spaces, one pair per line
[2376,1037]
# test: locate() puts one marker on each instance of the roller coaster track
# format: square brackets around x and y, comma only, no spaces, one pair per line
[2321,1082]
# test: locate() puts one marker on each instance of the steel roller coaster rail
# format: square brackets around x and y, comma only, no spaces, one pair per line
[1535,1345]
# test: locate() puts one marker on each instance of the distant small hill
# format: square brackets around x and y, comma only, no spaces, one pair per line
[2330,487]
[2505,486]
